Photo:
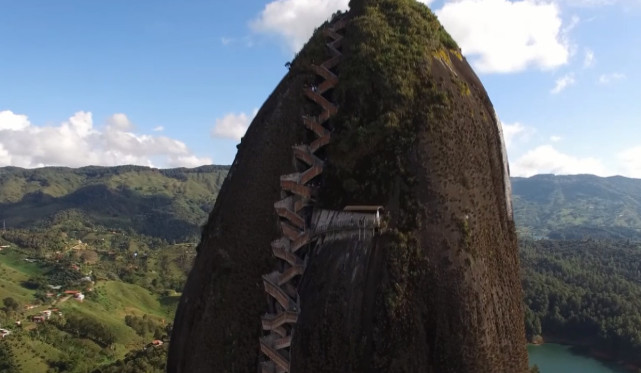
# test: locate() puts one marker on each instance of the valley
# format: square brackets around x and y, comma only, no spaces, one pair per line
[580,276]
[78,298]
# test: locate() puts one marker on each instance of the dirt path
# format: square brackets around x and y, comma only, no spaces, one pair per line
[61,300]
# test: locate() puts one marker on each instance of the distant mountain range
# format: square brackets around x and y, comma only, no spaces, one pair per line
[174,203]
[167,203]
[577,206]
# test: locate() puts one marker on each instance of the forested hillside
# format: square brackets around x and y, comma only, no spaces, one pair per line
[169,203]
[174,203]
[577,206]
[586,293]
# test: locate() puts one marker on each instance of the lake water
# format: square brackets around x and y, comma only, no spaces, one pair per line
[555,358]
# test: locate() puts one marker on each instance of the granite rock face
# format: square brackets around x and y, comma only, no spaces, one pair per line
[439,289]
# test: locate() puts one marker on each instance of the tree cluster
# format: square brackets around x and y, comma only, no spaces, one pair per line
[149,360]
[586,292]
[40,240]
[83,327]
[8,363]
[145,325]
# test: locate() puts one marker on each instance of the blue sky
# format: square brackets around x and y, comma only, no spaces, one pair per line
[168,83]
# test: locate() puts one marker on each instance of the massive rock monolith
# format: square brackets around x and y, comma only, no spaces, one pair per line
[437,289]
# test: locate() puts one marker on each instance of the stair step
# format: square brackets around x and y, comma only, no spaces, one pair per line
[269,282]
[272,322]
[285,209]
[278,359]
[291,272]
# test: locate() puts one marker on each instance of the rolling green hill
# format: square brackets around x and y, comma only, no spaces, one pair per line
[170,203]
[130,282]
[174,203]
[577,206]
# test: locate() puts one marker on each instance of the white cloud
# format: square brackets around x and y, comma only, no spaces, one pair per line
[11,121]
[562,83]
[119,121]
[631,162]
[588,3]
[5,157]
[76,142]
[232,126]
[555,138]
[588,59]
[515,132]
[546,159]
[611,78]
[574,22]
[295,20]
[159,129]
[426,2]
[504,36]
[186,161]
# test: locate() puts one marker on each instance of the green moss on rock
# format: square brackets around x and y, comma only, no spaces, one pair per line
[385,92]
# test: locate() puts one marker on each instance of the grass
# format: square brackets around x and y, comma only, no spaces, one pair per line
[114,320]
[10,288]
[14,259]
[14,270]
[116,300]
[32,355]
[129,297]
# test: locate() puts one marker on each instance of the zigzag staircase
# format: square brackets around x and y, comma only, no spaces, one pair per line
[297,191]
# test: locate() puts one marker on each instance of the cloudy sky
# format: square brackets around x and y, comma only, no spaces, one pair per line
[168,84]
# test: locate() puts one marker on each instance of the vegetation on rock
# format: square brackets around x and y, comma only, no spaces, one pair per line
[385,92]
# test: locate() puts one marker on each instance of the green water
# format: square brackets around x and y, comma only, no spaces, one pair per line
[555,358]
